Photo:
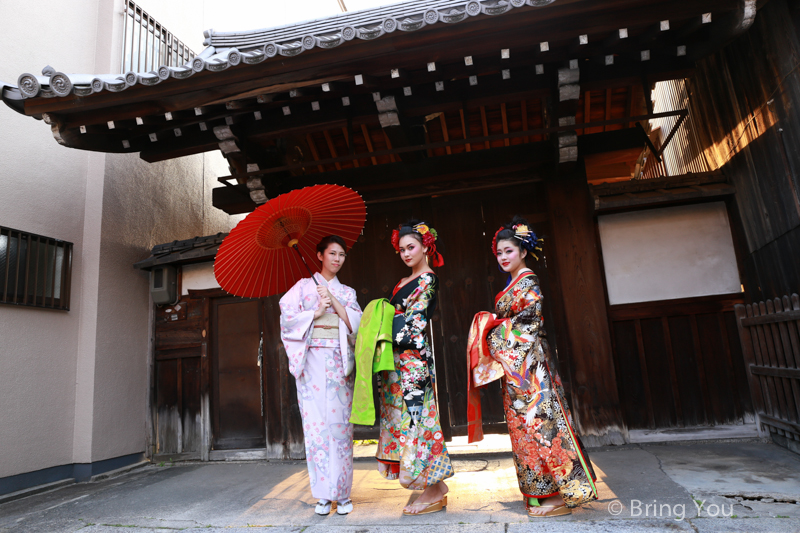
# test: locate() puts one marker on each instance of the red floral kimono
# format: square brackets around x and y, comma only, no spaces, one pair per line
[511,345]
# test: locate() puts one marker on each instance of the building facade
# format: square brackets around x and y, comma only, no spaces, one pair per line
[75,383]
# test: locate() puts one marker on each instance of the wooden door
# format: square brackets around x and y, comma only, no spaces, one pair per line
[238,395]
[469,282]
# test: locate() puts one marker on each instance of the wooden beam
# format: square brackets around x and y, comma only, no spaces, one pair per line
[485,126]
[432,146]
[505,122]
[346,134]
[302,120]
[389,147]
[464,129]
[313,147]
[334,158]
[476,169]
[587,109]
[608,107]
[588,350]
[368,141]
[524,112]
[445,134]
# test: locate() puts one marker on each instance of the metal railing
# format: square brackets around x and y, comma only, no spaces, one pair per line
[148,44]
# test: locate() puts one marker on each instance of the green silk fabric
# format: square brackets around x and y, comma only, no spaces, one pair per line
[373,353]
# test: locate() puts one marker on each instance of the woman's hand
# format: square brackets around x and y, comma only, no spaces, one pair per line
[324,304]
[323,292]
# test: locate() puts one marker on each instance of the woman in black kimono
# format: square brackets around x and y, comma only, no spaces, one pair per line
[411,446]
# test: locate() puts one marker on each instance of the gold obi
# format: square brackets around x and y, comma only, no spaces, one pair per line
[326,327]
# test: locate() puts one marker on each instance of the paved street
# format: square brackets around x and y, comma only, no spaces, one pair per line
[711,487]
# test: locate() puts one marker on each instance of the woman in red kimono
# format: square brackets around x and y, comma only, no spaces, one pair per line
[411,446]
[553,470]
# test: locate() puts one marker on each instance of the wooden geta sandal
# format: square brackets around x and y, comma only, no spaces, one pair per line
[432,507]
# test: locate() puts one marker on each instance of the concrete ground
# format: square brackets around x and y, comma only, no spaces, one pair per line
[696,487]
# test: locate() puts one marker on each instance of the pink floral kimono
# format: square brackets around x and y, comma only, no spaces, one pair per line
[322,362]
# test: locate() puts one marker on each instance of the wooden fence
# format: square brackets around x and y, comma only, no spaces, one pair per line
[770,334]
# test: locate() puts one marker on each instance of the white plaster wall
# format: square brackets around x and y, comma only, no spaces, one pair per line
[42,190]
[73,386]
[668,253]
[198,276]
[143,205]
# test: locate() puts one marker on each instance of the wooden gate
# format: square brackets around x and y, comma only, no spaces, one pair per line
[770,335]
[216,375]
[469,281]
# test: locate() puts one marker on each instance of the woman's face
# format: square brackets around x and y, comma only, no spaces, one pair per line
[333,257]
[411,251]
[509,257]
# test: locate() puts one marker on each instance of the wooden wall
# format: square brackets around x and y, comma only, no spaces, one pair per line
[745,101]
[679,363]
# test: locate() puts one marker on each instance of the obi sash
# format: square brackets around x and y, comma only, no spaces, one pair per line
[326,327]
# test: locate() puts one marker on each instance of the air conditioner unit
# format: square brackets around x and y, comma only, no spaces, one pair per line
[164,284]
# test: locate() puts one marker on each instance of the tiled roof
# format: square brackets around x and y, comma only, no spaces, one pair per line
[228,49]
[187,251]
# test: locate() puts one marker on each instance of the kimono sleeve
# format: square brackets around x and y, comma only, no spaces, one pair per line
[348,339]
[296,324]
[408,329]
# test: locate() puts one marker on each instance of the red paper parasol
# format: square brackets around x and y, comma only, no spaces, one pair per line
[265,253]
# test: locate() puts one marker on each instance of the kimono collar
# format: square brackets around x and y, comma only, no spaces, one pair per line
[332,283]
[525,272]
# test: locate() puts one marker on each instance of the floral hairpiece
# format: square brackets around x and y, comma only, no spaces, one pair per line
[429,238]
[526,237]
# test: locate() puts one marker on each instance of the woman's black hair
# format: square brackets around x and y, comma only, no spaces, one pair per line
[508,232]
[327,241]
[407,228]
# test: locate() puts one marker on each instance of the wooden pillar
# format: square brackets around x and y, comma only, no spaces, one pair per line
[589,358]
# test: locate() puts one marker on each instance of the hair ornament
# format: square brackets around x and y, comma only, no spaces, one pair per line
[429,238]
[526,237]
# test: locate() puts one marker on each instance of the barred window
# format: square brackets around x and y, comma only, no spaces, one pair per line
[148,45]
[34,270]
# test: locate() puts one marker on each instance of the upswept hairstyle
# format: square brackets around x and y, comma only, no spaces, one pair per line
[424,234]
[520,234]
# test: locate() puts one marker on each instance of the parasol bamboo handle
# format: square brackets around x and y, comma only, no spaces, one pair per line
[296,249]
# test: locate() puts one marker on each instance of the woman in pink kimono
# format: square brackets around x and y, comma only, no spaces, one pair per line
[319,323]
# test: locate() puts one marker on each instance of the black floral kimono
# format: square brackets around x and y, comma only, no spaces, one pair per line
[411,446]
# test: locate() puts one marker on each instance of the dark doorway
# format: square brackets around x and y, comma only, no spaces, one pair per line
[237,380]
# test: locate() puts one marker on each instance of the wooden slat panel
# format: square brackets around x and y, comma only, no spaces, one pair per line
[629,375]
[759,350]
[660,394]
[781,425]
[773,318]
[788,373]
[783,350]
[690,387]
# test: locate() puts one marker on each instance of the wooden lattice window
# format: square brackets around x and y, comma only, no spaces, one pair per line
[34,270]
[148,45]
